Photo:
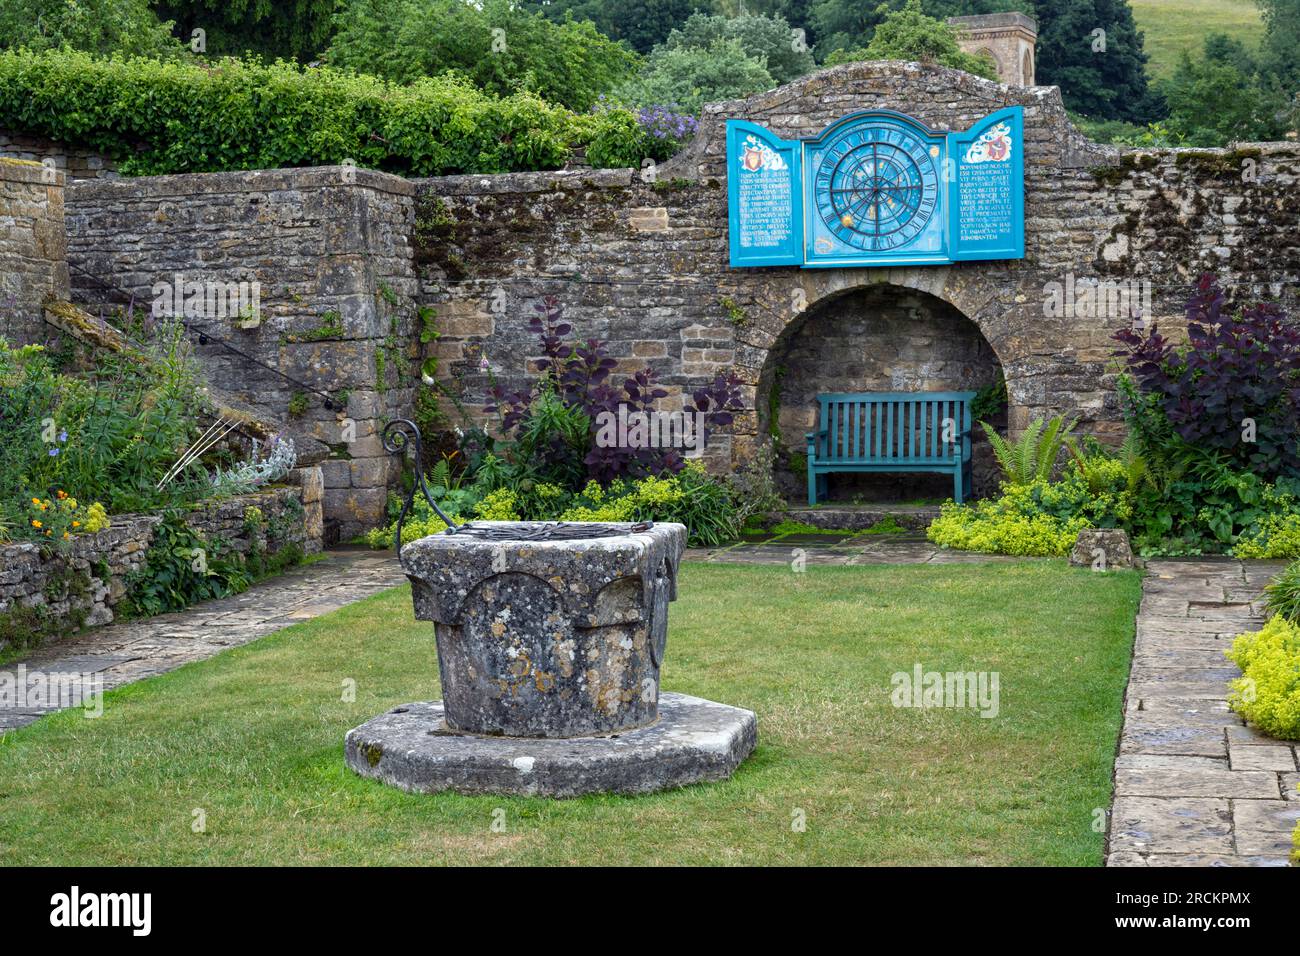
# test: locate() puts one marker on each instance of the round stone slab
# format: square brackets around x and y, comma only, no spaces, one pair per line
[693,740]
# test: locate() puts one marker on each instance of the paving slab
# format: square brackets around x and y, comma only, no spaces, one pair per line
[1194,785]
[1264,827]
[1256,756]
[1178,825]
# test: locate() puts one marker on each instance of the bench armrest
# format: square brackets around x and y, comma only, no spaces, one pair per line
[809,436]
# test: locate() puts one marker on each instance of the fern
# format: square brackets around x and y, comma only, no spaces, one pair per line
[1033,455]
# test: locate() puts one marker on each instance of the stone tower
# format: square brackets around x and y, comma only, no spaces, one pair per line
[1008,38]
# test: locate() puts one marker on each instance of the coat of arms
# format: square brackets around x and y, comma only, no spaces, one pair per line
[758,155]
[993,146]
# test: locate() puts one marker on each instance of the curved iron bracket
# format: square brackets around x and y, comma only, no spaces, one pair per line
[398,437]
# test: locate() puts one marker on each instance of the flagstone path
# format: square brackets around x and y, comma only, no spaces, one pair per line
[1194,786]
[133,650]
[844,549]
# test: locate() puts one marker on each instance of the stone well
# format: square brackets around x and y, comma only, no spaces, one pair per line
[550,640]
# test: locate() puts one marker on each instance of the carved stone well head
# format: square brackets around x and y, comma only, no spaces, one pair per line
[548,629]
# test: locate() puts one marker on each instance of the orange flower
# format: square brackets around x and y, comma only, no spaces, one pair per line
[62,494]
[35,523]
[76,524]
[36,501]
[65,536]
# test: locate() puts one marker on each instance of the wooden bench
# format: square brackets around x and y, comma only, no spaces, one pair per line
[892,432]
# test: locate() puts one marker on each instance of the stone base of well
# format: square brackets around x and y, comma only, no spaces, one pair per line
[693,741]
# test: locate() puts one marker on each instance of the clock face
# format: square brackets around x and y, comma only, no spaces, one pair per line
[876,186]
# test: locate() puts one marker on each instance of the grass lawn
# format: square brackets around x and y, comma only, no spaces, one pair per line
[1172,26]
[254,737]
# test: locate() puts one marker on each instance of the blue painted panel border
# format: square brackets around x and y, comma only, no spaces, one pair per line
[759,236]
[982,168]
[996,144]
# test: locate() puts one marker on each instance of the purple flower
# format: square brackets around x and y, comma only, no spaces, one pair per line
[53,452]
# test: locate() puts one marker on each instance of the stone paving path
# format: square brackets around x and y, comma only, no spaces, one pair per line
[121,653]
[847,548]
[1194,786]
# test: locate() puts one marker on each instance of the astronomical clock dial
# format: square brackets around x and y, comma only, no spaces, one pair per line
[876,186]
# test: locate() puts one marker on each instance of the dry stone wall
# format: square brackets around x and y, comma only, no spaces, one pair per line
[72,162]
[55,593]
[644,264]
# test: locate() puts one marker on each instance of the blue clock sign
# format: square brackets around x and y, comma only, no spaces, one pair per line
[877,188]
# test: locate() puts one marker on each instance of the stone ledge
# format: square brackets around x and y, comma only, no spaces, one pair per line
[693,741]
[241,181]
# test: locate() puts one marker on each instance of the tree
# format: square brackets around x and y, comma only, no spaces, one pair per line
[908,34]
[688,77]
[1213,101]
[850,24]
[1101,74]
[1281,41]
[287,29]
[770,40]
[640,23]
[1222,48]
[95,26]
[501,47]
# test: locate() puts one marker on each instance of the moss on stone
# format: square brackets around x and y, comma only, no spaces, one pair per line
[1109,175]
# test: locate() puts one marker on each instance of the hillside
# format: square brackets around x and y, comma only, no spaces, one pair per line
[1174,25]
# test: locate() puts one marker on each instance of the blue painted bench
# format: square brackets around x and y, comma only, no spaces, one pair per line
[891,432]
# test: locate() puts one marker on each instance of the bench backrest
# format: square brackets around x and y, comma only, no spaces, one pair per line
[895,426]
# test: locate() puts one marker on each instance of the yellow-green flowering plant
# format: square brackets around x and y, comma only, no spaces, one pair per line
[1268,692]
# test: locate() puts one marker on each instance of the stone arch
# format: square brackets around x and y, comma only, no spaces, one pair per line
[1027,67]
[997,62]
[955,302]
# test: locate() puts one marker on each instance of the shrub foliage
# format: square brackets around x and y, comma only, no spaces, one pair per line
[1268,692]
[246,114]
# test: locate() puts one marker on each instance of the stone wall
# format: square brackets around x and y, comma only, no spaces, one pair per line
[33,246]
[644,264]
[73,162]
[328,249]
[639,258]
[872,340]
[55,594]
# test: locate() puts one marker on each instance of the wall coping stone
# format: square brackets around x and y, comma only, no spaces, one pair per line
[28,171]
[244,181]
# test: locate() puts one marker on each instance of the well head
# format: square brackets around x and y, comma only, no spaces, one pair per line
[548,629]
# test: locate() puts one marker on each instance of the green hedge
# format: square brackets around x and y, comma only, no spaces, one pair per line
[158,117]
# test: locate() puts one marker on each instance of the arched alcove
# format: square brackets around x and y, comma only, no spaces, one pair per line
[876,338]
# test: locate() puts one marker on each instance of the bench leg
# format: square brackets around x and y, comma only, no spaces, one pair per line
[957,480]
[812,486]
